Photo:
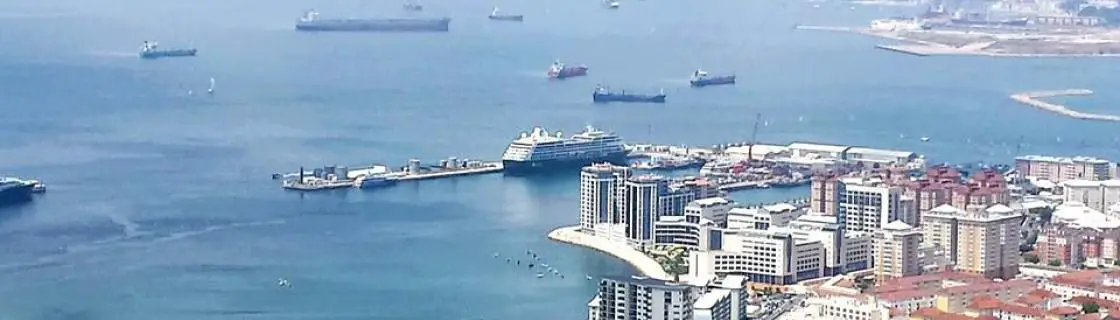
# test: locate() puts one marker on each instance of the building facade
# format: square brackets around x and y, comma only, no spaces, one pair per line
[641,298]
[1099,195]
[599,194]
[981,241]
[896,251]
[1059,169]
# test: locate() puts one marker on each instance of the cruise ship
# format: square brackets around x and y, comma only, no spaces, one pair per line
[540,151]
[311,22]
[13,190]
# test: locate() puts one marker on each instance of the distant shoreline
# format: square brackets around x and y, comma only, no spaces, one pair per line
[925,48]
[645,265]
[1031,99]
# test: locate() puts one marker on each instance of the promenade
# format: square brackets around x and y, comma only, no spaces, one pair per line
[1031,99]
[645,265]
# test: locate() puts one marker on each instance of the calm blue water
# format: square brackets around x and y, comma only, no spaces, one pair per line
[160,204]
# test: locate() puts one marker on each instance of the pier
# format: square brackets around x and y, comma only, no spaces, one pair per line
[338,177]
[1031,99]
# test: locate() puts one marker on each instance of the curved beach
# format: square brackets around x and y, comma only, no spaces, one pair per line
[1031,99]
[645,265]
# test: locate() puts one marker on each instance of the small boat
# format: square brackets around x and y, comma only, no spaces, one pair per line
[411,6]
[497,15]
[925,139]
[283,283]
[211,89]
[590,278]
[540,275]
[560,71]
[603,95]
[701,78]
[612,4]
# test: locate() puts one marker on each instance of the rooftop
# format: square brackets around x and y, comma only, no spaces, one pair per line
[710,299]
[647,282]
[1062,159]
[712,201]
[817,147]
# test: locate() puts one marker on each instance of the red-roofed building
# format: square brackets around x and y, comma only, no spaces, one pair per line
[1089,283]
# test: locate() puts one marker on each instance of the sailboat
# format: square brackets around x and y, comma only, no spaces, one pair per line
[211,89]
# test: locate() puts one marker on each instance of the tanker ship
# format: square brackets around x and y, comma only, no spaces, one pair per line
[311,22]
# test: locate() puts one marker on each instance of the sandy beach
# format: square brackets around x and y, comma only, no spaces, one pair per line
[645,265]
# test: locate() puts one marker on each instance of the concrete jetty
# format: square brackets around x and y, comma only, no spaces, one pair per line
[645,265]
[1031,99]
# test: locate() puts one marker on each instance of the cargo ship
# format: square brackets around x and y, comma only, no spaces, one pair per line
[497,15]
[560,71]
[311,22]
[16,191]
[151,50]
[701,78]
[603,95]
[540,151]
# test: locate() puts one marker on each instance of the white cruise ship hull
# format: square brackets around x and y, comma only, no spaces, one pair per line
[515,167]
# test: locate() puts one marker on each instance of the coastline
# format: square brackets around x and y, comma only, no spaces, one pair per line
[645,265]
[1031,99]
[923,48]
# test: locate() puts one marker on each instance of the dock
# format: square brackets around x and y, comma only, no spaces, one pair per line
[339,177]
[902,49]
[1031,99]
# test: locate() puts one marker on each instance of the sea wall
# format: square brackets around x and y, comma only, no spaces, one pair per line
[645,265]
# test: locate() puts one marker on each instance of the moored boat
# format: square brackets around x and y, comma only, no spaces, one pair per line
[603,94]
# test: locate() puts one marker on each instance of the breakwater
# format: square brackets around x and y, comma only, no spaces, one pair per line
[1031,99]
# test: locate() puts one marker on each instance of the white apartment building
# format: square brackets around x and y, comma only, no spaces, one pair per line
[641,298]
[713,305]
[599,194]
[865,204]
[1059,169]
[807,249]
[682,231]
[847,308]
[714,209]
[982,241]
[1099,195]
[896,251]
[762,218]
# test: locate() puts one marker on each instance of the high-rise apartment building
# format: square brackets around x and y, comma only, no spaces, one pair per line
[1059,169]
[1099,195]
[896,251]
[599,194]
[641,298]
[865,204]
[943,185]
[981,241]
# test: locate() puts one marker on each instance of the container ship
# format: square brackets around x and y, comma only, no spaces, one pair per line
[701,78]
[540,151]
[559,71]
[15,190]
[311,22]
[497,15]
[603,95]
[151,50]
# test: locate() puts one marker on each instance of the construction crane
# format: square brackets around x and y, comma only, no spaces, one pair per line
[754,135]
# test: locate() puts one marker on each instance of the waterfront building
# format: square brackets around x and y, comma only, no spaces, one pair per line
[641,298]
[1061,169]
[848,308]
[713,305]
[599,195]
[714,209]
[688,231]
[1099,195]
[896,251]
[810,247]
[644,200]
[763,217]
[984,241]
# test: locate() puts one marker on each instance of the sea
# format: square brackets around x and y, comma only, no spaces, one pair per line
[160,204]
